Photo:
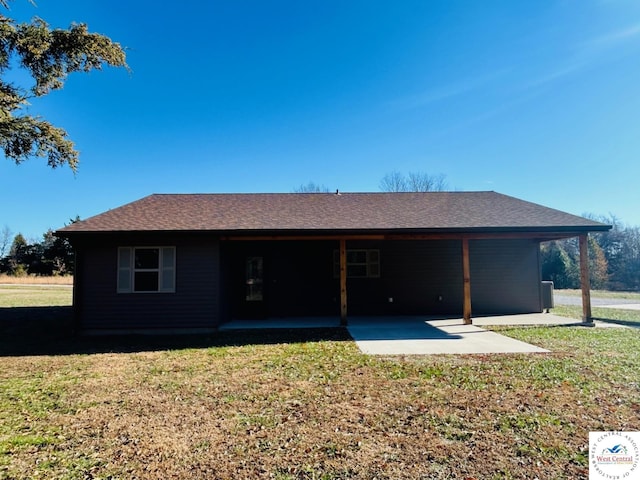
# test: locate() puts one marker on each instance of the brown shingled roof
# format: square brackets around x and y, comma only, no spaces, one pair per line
[323,212]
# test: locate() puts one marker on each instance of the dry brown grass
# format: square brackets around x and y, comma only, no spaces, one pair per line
[35,280]
[307,405]
[296,410]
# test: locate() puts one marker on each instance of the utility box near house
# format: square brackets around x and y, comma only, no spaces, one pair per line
[547,295]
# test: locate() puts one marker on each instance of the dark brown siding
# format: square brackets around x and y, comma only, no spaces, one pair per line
[298,278]
[421,277]
[301,279]
[505,276]
[195,303]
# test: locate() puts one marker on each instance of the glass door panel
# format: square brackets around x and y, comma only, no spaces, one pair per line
[254,279]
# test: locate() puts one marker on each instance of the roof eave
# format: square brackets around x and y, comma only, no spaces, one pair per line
[563,231]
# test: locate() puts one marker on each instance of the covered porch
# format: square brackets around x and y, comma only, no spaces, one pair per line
[324,276]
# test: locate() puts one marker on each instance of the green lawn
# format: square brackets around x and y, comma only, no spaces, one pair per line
[601,294]
[35,296]
[303,405]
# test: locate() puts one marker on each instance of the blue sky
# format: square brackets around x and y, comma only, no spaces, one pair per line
[535,99]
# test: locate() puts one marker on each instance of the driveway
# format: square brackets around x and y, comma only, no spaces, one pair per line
[619,303]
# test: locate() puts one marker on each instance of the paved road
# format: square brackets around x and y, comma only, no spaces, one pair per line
[595,301]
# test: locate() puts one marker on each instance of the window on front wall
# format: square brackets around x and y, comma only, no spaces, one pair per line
[360,263]
[146,269]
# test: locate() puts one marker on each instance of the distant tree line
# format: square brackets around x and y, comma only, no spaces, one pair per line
[53,256]
[392,182]
[413,182]
[614,259]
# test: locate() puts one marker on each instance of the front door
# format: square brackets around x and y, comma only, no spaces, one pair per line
[254,294]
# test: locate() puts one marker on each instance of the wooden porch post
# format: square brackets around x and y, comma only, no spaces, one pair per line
[585,282]
[343,282]
[466,279]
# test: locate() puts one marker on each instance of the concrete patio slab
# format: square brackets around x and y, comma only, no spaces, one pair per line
[526,319]
[420,336]
[542,319]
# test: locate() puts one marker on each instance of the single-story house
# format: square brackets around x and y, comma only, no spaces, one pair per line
[196,261]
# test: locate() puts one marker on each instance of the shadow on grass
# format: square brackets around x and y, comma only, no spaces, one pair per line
[624,323]
[49,331]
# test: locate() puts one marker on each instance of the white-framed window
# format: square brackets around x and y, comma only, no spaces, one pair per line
[363,263]
[146,269]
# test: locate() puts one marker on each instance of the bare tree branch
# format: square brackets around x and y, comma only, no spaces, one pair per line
[413,182]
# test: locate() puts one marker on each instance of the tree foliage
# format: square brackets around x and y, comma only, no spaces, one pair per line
[559,266]
[48,56]
[51,256]
[5,240]
[598,265]
[413,182]
[621,247]
[614,259]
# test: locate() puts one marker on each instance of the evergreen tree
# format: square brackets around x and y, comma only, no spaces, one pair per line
[48,56]
[558,265]
[18,255]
